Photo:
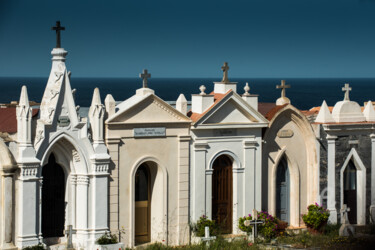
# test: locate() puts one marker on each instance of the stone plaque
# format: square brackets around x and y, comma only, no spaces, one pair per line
[149,132]
[285,133]
[225,132]
[63,121]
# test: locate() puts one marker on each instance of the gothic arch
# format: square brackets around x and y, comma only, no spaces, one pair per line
[361,185]
[162,174]
[294,187]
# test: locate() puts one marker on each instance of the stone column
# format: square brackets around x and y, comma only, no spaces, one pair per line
[82,203]
[331,184]
[198,181]
[73,188]
[7,212]
[249,193]
[28,206]
[208,196]
[99,202]
[238,174]
[372,206]
[183,189]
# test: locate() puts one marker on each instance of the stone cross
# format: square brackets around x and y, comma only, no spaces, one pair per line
[145,75]
[282,87]
[207,238]
[255,223]
[346,88]
[344,214]
[58,28]
[69,232]
[225,69]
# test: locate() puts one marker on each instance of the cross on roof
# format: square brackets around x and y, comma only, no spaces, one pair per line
[346,88]
[58,28]
[145,75]
[282,87]
[225,69]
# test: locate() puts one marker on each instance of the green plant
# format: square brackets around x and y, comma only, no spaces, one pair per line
[36,247]
[268,229]
[203,222]
[107,239]
[316,217]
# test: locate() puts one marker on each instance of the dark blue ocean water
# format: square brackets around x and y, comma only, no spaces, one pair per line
[304,94]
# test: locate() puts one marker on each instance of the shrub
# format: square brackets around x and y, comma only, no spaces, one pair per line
[316,217]
[268,229]
[203,222]
[107,239]
[36,247]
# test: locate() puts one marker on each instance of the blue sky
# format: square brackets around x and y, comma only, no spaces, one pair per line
[178,38]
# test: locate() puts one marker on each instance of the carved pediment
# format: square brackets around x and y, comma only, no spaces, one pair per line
[150,109]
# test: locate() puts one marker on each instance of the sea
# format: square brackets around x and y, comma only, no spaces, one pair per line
[304,93]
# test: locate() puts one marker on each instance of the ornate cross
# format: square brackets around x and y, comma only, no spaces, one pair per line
[282,87]
[346,88]
[225,69]
[145,75]
[344,214]
[58,28]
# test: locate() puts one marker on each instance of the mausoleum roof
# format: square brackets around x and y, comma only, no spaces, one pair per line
[8,119]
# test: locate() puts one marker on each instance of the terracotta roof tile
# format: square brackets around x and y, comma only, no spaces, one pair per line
[217,97]
[269,109]
[8,119]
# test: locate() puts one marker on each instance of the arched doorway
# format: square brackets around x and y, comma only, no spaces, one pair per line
[350,191]
[142,204]
[53,199]
[222,193]
[283,191]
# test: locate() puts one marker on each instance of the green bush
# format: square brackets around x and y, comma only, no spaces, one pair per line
[268,229]
[203,222]
[316,217]
[107,239]
[36,247]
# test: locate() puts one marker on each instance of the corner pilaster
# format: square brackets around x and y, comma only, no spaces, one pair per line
[331,185]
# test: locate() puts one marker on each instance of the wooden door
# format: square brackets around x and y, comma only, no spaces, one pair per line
[350,191]
[53,199]
[282,191]
[222,191]
[142,205]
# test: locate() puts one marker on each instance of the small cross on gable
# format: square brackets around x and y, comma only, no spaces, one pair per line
[282,87]
[225,69]
[145,75]
[346,88]
[58,28]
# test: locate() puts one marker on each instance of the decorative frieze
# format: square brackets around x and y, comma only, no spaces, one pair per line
[29,171]
[83,180]
[101,168]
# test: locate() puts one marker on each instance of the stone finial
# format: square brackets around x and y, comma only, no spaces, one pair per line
[369,112]
[96,98]
[324,115]
[346,88]
[24,98]
[202,88]
[181,104]
[24,116]
[110,105]
[96,115]
[247,89]
[225,69]
[283,99]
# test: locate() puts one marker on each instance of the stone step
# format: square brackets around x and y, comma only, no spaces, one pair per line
[59,247]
